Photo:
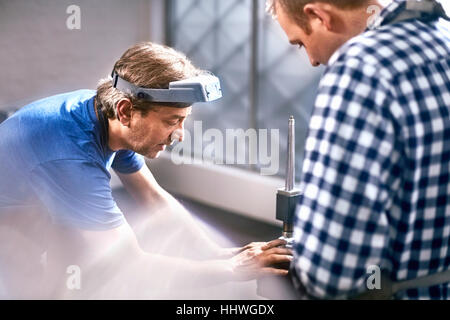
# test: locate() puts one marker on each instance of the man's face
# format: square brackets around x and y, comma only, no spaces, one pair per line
[320,44]
[151,133]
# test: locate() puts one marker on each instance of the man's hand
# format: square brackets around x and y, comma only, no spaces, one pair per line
[226,253]
[259,259]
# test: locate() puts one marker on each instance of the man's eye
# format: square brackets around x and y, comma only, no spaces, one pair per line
[172,123]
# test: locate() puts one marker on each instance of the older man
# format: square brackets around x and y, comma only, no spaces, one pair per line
[56,205]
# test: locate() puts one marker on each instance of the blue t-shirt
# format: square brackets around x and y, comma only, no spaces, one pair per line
[51,155]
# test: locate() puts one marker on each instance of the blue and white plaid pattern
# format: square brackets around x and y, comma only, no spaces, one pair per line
[376,173]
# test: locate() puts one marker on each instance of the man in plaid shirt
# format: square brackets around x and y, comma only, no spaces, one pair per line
[375,179]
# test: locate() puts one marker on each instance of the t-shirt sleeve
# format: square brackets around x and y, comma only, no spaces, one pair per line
[77,194]
[127,161]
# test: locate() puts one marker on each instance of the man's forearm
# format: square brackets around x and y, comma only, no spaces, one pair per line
[171,230]
[112,262]
[160,207]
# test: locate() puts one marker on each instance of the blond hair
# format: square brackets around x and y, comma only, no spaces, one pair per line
[147,65]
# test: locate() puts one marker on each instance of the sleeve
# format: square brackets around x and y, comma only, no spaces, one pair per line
[349,170]
[77,194]
[127,161]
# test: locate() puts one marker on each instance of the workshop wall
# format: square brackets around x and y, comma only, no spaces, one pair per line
[45,50]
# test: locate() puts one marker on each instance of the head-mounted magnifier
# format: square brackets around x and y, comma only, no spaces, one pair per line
[203,88]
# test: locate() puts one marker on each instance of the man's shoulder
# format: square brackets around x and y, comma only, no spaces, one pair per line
[395,49]
[57,127]
[57,114]
[54,102]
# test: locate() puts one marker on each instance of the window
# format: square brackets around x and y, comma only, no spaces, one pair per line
[264,78]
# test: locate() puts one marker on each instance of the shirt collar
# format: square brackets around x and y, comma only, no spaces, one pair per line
[396,5]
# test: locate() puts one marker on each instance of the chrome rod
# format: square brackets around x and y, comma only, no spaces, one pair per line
[290,169]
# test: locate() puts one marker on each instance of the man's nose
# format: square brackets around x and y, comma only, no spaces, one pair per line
[177,135]
[314,62]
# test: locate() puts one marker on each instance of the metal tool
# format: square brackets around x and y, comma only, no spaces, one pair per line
[287,197]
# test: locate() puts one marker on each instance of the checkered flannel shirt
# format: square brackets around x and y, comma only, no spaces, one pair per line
[375,179]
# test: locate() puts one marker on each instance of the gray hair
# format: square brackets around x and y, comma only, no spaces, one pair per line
[146,65]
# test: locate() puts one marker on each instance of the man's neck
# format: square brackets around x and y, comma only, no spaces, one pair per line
[114,132]
[115,135]
[358,19]
[351,23]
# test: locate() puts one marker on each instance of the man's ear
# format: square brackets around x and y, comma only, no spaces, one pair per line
[123,110]
[319,12]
